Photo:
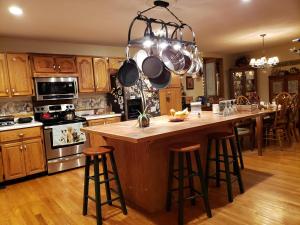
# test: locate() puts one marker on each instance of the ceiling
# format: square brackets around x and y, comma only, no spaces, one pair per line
[222,26]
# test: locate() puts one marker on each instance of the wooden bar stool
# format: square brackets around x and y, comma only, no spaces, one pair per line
[227,160]
[185,149]
[95,153]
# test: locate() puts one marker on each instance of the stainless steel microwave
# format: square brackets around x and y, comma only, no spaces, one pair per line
[55,88]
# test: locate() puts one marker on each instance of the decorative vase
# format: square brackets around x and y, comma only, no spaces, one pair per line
[144,121]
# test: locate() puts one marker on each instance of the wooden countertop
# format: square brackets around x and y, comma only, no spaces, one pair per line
[160,127]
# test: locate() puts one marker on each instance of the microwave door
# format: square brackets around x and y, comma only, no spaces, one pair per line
[56,88]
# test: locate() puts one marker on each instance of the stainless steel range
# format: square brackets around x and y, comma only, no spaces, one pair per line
[64,142]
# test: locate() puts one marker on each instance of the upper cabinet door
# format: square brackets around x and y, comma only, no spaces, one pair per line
[101,73]
[175,81]
[19,74]
[4,81]
[86,74]
[115,63]
[43,64]
[65,64]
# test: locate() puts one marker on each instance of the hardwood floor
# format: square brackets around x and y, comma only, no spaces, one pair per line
[272,196]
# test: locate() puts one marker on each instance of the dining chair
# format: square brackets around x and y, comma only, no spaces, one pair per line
[293,116]
[278,130]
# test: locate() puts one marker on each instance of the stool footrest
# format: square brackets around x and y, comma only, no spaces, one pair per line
[193,174]
[220,160]
[223,179]
[104,203]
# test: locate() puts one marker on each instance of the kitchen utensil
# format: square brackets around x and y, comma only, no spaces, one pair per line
[152,67]
[162,81]
[173,59]
[25,120]
[69,115]
[128,74]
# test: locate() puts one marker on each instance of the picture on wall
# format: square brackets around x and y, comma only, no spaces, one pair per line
[189,83]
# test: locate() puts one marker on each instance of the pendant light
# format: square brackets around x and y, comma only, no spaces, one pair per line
[264,62]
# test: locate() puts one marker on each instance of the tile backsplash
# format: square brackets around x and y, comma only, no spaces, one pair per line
[91,101]
[9,106]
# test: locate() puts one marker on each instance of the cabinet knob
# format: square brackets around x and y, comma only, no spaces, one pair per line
[21,147]
[21,135]
[7,91]
[54,66]
[25,147]
[13,90]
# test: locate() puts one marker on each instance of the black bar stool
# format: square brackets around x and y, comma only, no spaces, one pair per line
[95,153]
[185,149]
[226,159]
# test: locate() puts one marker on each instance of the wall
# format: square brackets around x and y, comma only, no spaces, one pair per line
[55,47]
[198,90]
[283,53]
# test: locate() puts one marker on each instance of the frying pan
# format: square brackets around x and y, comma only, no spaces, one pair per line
[152,67]
[161,81]
[128,74]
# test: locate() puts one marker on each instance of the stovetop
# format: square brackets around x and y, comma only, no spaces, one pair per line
[53,122]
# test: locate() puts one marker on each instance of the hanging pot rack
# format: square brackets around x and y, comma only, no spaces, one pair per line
[166,26]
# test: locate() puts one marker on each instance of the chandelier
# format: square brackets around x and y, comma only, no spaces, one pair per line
[294,49]
[264,62]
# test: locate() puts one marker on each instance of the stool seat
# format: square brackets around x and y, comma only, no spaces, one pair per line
[221,135]
[185,147]
[97,150]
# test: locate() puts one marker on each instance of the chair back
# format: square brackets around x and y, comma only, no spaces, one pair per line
[242,100]
[294,108]
[281,116]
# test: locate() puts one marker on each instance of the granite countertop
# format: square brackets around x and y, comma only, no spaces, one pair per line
[21,125]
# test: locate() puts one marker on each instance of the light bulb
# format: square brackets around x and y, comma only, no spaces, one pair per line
[177,46]
[163,45]
[15,10]
[148,43]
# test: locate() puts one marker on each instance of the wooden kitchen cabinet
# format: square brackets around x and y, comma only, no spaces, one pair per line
[170,98]
[115,63]
[34,156]
[66,64]
[1,168]
[85,74]
[101,74]
[19,74]
[4,79]
[13,159]
[53,65]
[43,64]
[98,140]
[22,152]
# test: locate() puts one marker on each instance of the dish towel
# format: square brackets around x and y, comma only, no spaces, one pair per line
[67,134]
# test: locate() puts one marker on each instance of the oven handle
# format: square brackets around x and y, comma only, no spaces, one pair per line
[84,124]
[74,157]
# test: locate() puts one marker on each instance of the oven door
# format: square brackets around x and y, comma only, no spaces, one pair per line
[54,88]
[62,151]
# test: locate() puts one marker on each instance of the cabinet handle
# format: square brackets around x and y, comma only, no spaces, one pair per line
[21,135]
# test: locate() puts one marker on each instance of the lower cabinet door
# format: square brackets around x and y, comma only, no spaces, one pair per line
[13,160]
[34,156]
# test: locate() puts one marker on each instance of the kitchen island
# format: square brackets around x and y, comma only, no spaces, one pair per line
[142,153]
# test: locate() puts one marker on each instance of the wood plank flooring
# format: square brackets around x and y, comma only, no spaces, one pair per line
[272,196]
